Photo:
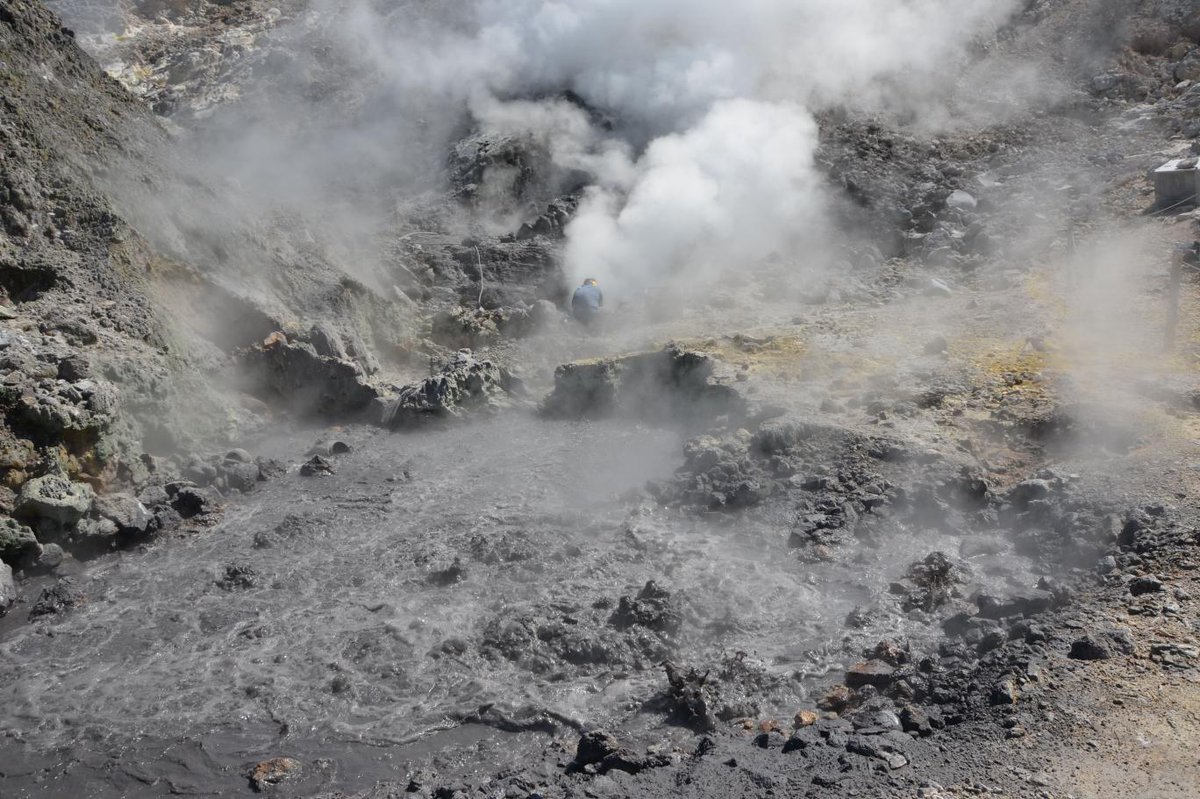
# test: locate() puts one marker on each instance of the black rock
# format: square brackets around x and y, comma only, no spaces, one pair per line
[189,500]
[240,476]
[59,598]
[238,576]
[317,466]
[1145,585]
[594,746]
[1089,648]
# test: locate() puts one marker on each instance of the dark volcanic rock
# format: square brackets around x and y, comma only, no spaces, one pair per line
[59,598]
[18,545]
[871,672]
[931,582]
[191,501]
[1103,645]
[316,466]
[465,385]
[238,576]
[8,589]
[54,498]
[270,773]
[653,608]
[1145,585]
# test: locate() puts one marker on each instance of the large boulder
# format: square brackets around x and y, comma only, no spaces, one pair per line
[8,589]
[465,385]
[54,498]
[18,544]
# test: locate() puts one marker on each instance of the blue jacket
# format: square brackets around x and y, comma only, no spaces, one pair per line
[587,298]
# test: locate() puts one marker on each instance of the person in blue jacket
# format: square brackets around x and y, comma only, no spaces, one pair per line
[587,301]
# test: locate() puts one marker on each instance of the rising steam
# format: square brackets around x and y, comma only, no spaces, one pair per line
[705,162]
[691,122]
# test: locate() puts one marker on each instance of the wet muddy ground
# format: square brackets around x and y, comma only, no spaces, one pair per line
[368,615]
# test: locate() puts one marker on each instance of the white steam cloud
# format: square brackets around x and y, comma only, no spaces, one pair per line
[692,122]
[709,164]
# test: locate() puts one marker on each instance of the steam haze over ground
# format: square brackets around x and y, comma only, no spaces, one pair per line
[690,124]
[875,448]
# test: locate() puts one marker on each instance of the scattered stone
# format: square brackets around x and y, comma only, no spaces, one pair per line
[238,576]
[961,200]
[8,589]
[805,718]
[190,501]
[241,476]
[55,498]
[59,598]
[1175,655]
[871,672]
[1145,585]
[652,608]
[915,719]
[295,375]
[317,467]
[672,385]
[51,557]
[1101,646]
[1004,693]
[1089,648]
[691,696]
[270,773]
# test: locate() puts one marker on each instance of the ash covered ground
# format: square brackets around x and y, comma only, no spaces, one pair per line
[874,478]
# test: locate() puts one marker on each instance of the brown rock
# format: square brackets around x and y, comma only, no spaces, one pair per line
[837,699]
[270,773]
[871,672]
[805,718]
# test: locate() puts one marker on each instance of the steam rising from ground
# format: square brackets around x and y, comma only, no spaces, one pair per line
[701,155]
[691,122]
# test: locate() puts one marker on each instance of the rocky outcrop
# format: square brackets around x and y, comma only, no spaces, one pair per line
[672,386]
[296,377]
[465,385]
